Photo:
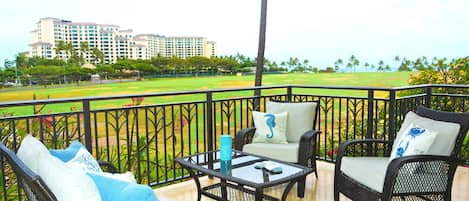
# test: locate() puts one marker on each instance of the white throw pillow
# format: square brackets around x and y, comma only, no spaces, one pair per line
[300,117]
[270,128]
[66,183]
[415,140]
[29,152]
[446,133]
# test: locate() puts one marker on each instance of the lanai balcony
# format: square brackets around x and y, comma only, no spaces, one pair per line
[144,133]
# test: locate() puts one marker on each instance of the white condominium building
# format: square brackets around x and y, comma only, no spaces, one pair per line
[111,41]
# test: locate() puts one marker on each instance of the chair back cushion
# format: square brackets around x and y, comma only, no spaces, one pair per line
[284,152]
[270,128]
[461,118]
[446,133]
[301,117]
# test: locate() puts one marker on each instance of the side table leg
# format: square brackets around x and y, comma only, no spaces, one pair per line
[259,194]
[301,187]
[287,190]
[197,183]
[224,194]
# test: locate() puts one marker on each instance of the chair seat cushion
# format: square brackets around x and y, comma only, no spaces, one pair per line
[285,152]
[369,171]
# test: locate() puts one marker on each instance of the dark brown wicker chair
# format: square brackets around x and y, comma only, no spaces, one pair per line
[34,187]
[398,183]
[307,146]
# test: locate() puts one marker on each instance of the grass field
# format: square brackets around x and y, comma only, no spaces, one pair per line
[381,79]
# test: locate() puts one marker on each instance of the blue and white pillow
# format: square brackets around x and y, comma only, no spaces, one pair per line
[77,157]
[270,128]
[415,140]
[117,190]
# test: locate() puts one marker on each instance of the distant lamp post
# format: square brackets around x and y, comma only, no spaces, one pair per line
[30,81]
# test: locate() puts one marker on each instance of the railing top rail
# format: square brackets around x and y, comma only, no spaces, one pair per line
[100,98]
[460,86]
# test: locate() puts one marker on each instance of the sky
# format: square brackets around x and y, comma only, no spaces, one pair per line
[320,31]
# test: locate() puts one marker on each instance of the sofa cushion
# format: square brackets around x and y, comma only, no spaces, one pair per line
[300,117]
[270,128]
[445,138]
[77,156]
[285,152]
[29,152]
[66,183]
[118,190]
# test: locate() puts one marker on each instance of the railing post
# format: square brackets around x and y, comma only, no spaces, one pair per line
[392,115]
[428,97]
[369,126]
[209,125]
[87,122]
[289,93]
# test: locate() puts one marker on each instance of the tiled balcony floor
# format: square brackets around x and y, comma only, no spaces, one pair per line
[320,189]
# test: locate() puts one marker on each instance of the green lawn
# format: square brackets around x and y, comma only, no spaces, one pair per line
[382,79]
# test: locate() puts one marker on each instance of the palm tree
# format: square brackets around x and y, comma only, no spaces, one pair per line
[98,55]
[338,64]
[84,49]
[366,66]
[349,65]
[260,54]
[355,64]
[380,65]
[351,61]
[396,59]
[59,46]
[387,67]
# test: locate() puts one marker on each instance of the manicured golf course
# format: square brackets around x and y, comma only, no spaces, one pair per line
[377,79]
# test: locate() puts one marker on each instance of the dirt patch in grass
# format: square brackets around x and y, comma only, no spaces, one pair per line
[336,79]
[234,84]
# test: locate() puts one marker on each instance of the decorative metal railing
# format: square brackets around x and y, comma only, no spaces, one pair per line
[146,136]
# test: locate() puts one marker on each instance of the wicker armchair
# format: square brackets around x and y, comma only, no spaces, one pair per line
[418,177]
[306,147]
[35,188]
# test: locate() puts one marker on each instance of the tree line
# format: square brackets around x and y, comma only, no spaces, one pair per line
[37,70]
[400,64]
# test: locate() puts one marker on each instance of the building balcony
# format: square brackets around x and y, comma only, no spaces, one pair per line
[144,133]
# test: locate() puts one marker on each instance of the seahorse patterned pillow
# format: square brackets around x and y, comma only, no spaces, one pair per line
[77,157]
[270,128]
[415,140]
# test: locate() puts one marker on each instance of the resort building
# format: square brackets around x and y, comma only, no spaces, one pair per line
[113,42]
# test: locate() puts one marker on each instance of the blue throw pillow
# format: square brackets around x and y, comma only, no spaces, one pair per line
[76,156]
[117,190]
[68,154]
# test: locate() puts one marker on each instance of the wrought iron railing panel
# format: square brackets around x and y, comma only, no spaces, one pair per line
[146,136]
